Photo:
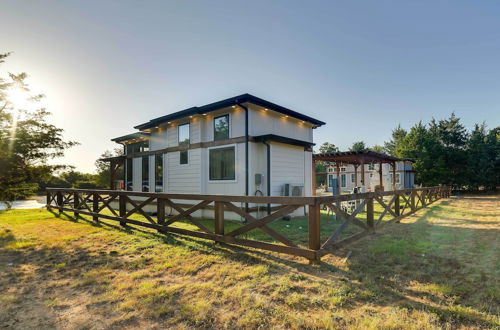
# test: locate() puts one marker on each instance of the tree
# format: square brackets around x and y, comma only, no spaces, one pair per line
[103,175]
[358,146]
[27,140]
[378,148]
[328,147]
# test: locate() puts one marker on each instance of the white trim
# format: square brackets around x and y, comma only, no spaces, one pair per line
[234,145]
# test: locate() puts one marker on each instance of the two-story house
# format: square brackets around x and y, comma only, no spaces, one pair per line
[405,177]
[243,145]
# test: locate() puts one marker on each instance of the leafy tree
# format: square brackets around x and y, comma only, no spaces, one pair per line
[398,135]
[378,148]
[27,140]
[103,168]
[328,147]
[358,146]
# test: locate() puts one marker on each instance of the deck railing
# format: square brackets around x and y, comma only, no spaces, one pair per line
[356,215]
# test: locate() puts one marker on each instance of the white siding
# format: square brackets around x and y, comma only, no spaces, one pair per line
[184,178]
[269,122]
[137,174]
[158,139]
[287,166]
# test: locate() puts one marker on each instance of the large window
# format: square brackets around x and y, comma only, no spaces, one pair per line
[158,173]
[352,177]
[183,134]
[145,173]
[222,164]
[129,169]
[221,127]
[137,147]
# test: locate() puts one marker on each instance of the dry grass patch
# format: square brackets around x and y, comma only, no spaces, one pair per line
[437,269]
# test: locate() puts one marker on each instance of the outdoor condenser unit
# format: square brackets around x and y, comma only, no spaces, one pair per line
[293,190]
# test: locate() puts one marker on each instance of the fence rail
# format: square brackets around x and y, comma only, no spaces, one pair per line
[120,206]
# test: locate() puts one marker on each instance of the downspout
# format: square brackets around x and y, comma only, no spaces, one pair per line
[246,150]
[268,148]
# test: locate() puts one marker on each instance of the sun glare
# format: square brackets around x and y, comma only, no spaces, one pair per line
[20,99]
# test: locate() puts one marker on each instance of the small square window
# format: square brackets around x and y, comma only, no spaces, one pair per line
[184,159]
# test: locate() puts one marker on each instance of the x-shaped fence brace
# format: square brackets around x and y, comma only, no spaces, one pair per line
[94,202]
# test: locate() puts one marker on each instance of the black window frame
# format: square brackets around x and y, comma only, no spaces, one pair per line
[145,174]
[158,172]
[186,153]
[228,127]
[179,134]
[221,178]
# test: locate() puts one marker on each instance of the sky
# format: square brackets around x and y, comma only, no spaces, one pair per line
[363,67]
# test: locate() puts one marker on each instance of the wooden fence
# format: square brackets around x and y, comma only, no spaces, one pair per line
[120,206]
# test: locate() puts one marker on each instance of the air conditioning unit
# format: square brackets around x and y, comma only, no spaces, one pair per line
[293,190]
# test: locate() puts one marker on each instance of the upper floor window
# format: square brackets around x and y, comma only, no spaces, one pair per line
[371,167]
[183,134]
[137,147]
[343,169]
[221,127]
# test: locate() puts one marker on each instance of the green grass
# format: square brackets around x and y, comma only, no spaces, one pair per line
[436,269]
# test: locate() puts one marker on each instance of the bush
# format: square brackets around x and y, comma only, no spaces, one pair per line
[86,185]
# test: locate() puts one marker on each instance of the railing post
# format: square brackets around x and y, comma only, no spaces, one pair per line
[219,218]
[369,214]
[122,204]
[76,204]
[48,197]
[160,211]
[412,201]
[59,201]
[397,207]
[95,206]
[422,197]
[314,228]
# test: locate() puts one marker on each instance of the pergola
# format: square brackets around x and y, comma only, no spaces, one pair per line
[356,158]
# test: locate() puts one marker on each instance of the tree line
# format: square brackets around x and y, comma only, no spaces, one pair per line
[444,153]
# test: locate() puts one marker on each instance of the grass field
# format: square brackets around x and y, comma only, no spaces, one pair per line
[436,269]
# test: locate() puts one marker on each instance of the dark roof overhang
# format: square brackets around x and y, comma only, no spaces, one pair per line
[282,139]
[133,136]
[244,98]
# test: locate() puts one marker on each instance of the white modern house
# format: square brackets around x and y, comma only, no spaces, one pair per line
[243,145]
[348,179]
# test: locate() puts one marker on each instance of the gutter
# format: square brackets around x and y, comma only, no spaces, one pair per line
[268,149]
[246,148]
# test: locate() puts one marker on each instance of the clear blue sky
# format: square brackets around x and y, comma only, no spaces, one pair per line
[362,67]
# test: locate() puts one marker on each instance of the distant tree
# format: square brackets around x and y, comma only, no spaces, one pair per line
[378,148]
[328,147]
[27,140]
[397,137]
[358,146]
[103,175]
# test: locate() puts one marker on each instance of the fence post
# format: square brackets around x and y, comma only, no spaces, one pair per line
[397,207]
[219,218]
[314,229]
[369,214]
[60,201]
[95,206]
[422,197]
[48,198]
[412,201]
[160,211]
[76,204]
[122,204]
